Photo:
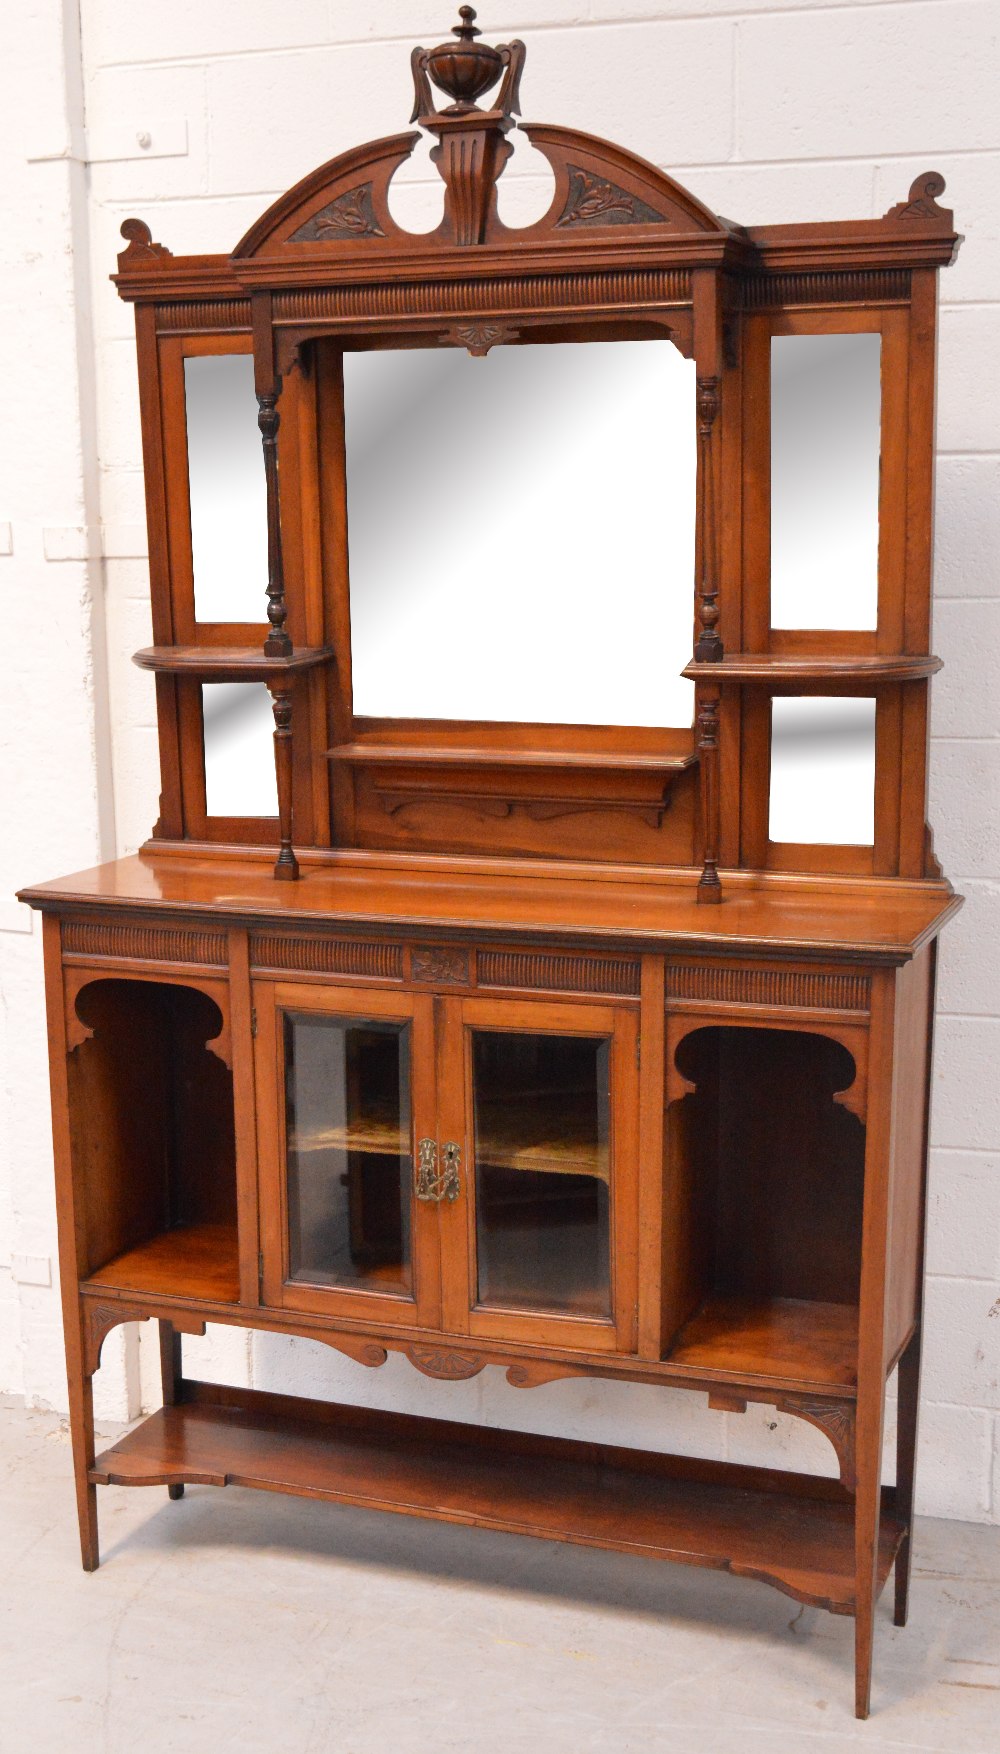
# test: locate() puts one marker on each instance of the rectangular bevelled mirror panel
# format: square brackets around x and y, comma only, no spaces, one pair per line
[822,770]
[226,486]
[521,532]
[826,399]
[239,749]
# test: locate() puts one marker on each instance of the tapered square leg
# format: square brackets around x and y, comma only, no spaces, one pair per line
[171,1371]
[908,1402]
[81,1425]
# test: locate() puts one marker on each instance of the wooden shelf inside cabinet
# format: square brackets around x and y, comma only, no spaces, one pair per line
[820,671]
[229,663]
[788,1340]
[791,1531]
[199,1261]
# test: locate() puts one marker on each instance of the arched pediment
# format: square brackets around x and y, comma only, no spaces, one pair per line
[601,186]
[343,207]
[343,201]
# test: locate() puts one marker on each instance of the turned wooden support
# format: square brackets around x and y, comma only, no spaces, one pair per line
[709,887]
[286,865]
[277,644]
[708,648]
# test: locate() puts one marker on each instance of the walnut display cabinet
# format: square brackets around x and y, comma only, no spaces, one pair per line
[556,993]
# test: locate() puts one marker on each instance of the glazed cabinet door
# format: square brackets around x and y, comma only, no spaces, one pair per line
[541,1101]
[346,1115]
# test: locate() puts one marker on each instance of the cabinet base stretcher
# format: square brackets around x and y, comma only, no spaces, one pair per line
[794,1531]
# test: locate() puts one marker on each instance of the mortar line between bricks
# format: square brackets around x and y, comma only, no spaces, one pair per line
[727,15]
[965,1150]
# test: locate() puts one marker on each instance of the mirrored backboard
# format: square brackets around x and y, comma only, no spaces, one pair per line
[521,532]
[825,443]
[226,487]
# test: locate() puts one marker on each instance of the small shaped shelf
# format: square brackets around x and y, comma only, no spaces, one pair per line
[229,663]
[822,671]
[553,774]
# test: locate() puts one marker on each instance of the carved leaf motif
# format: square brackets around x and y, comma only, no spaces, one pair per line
[594,201]
[351,215]
[437,962]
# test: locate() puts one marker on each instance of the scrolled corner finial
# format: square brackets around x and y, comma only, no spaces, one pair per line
[921,202]
[141,247]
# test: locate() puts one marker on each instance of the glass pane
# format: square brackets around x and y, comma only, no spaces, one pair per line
[542,1132]
[226,483]
[569,559]
[823,770]
[350,1168]
[239,749]
[826,414]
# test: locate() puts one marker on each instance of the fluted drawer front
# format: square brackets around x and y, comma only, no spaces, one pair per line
[777,988]
[367,961]
[545,972]
[129,942]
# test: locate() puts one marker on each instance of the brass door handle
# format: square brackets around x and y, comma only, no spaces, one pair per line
[433,1184]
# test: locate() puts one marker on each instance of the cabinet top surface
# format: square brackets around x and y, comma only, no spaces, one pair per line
[879,924]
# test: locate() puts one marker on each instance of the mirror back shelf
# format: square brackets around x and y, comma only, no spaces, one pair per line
[567,530]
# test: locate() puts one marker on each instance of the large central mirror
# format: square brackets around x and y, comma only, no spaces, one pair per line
[521,532]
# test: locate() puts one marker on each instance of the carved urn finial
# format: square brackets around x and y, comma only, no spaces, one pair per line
[464,70]
[471,150]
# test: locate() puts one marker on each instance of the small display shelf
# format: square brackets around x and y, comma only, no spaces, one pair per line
[199,1261]
[821,670]
[784,1339]
[789,1530]
[229,663]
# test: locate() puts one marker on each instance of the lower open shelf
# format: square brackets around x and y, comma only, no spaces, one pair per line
[789,1530]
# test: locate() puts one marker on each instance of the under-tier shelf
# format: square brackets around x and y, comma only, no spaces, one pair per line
[821,670]
[199,1261]
[785,1529]
[229,663]
[783,1339]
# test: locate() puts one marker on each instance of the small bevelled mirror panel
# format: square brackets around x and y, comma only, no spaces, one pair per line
[521,532]
[825,441]
[239,750]
[227,489]
[822,770]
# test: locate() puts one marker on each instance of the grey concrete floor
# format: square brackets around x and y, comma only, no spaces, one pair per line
[242,1620]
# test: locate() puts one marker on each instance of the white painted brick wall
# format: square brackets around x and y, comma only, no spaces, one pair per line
[768,109]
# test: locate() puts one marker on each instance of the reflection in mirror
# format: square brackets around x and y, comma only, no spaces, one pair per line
[825,435]
[521,532]
[822,770]
[239,750]
[226,483]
